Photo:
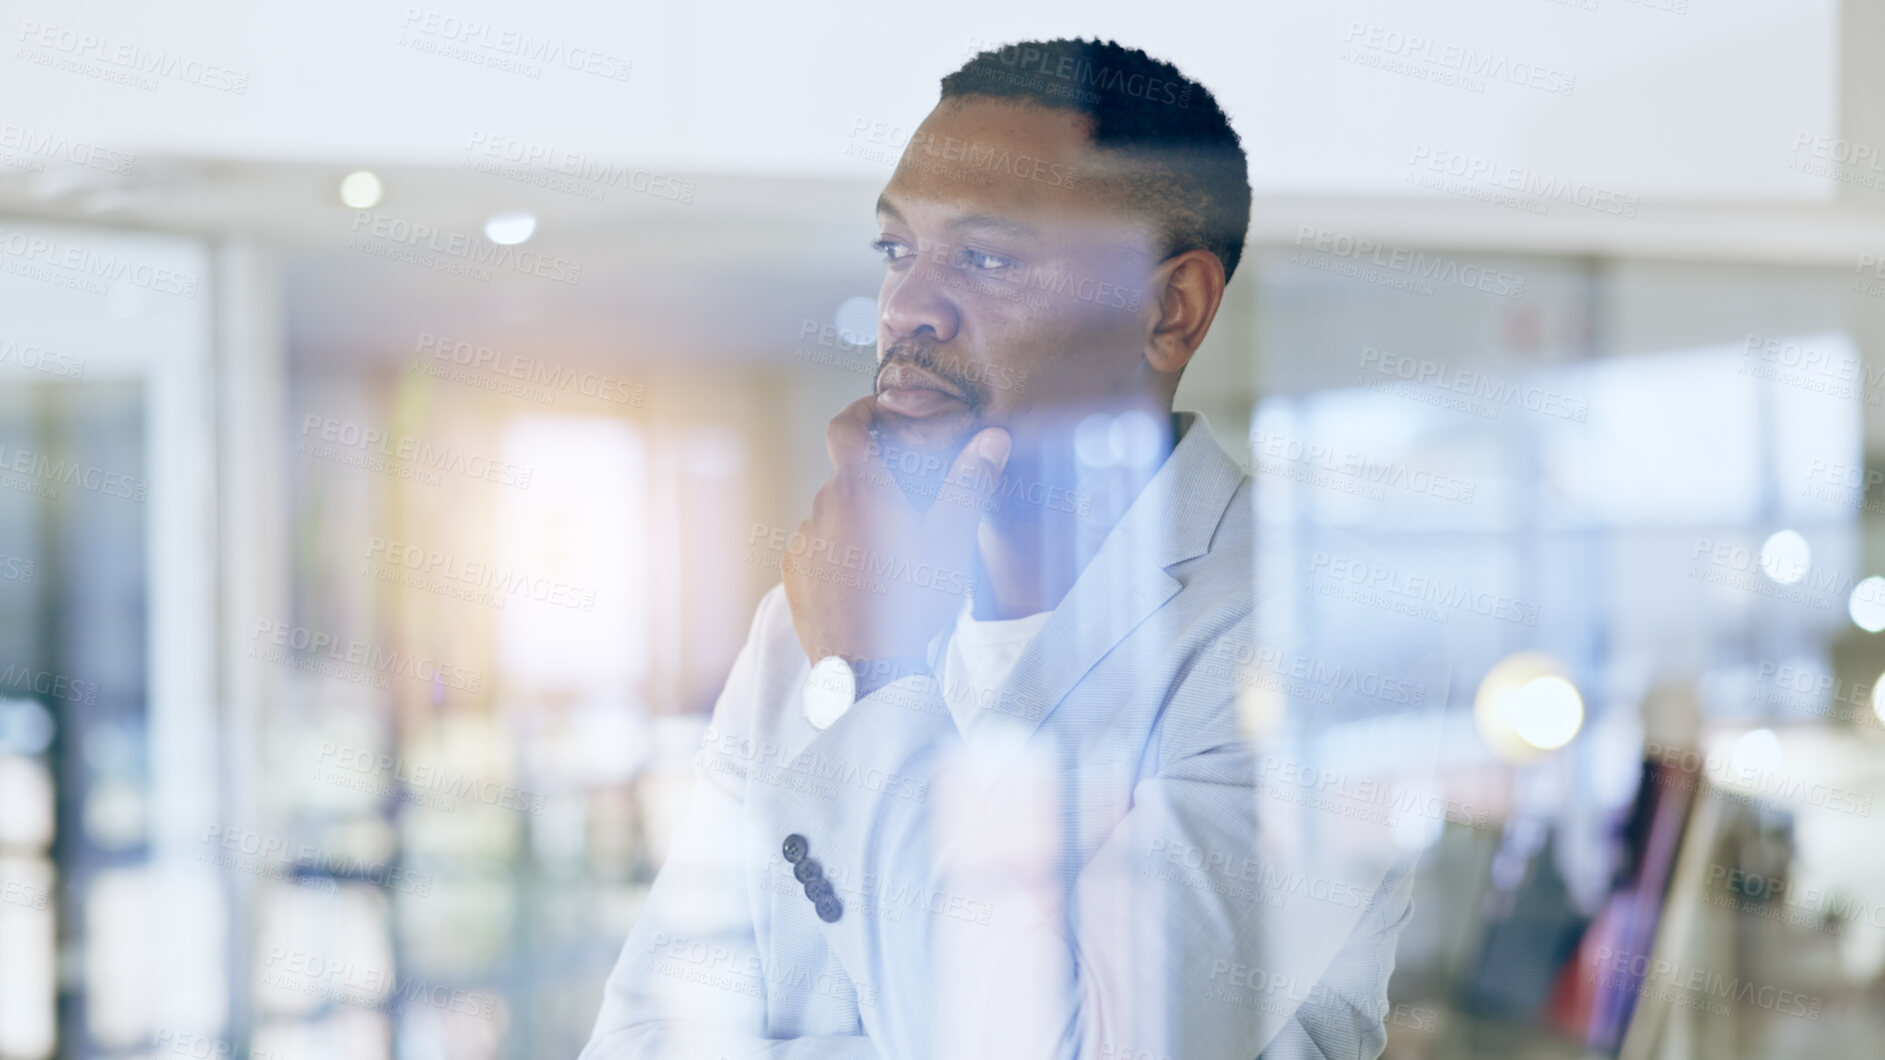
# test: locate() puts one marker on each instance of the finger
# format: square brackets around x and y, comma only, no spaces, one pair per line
[970,488]
[848,435]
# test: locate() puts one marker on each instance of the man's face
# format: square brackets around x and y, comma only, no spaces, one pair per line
[1014,291]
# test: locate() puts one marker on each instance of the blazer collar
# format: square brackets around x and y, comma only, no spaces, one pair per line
[1174,517]
[1172,520]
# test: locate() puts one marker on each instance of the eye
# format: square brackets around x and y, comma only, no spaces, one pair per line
[970,258]
[892,250]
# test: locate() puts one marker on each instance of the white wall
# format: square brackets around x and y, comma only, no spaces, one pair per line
[1707,101]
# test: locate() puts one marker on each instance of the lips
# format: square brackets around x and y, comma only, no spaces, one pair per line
[910,391]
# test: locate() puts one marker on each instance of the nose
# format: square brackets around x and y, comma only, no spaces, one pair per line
[914,299]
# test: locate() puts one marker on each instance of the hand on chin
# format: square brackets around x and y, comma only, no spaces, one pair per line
[919,450]
[873,574]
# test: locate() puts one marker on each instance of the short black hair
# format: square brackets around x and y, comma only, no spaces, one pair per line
[1188,166]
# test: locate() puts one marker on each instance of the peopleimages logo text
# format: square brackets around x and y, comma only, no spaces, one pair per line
[370,657]
[1459,58]
[1412,263]
[20,679]
[462,248]
[457,572]
[42,470]
[599,173]
[1529,187]
[427,777]
[1425,588]
[1364,473]
[1081,73]
[428,455]
[40,359]
[76,44]
[35,145]
[1478,385]
[528,369]
[876,565]
[1322,674]
[90,264]
[486,37]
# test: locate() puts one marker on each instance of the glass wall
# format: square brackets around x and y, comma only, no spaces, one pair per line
[1649,481]
[419,809]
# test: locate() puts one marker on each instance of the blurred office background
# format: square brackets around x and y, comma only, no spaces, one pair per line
[360,605]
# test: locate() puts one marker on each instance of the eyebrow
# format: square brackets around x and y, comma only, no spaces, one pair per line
[986,221]
[993,222]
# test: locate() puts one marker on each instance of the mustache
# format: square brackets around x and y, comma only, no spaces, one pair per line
[951,370]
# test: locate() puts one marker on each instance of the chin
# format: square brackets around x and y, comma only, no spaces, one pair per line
[948,432]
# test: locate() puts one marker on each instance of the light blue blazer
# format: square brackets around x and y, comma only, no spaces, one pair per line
[1179,831]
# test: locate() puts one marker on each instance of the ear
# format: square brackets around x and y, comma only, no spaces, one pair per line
[1188,289]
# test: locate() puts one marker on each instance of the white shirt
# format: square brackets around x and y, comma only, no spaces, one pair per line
[979,659]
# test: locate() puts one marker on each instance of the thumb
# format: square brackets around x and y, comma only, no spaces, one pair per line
[970,488]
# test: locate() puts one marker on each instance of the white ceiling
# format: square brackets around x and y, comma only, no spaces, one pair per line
[1705,103]
[762,106]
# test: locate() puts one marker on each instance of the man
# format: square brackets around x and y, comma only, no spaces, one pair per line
[1021,759]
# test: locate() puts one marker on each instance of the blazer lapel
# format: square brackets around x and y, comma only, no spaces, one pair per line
[1172,520]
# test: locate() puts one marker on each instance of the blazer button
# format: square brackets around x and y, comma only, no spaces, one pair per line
[808,870]
[795,847]
[829,910]
[818,890]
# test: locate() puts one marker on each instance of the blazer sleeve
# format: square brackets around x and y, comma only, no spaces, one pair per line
[1349,1018]
[1212,922]
[689,984]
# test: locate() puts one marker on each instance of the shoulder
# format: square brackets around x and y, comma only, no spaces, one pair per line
[779,658]
[769,668]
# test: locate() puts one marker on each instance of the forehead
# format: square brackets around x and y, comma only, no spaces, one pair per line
[981,157]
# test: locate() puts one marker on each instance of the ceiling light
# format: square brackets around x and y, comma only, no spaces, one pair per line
[361,190]
[510,228]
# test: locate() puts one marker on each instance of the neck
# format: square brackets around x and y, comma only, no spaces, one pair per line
[1053,516]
